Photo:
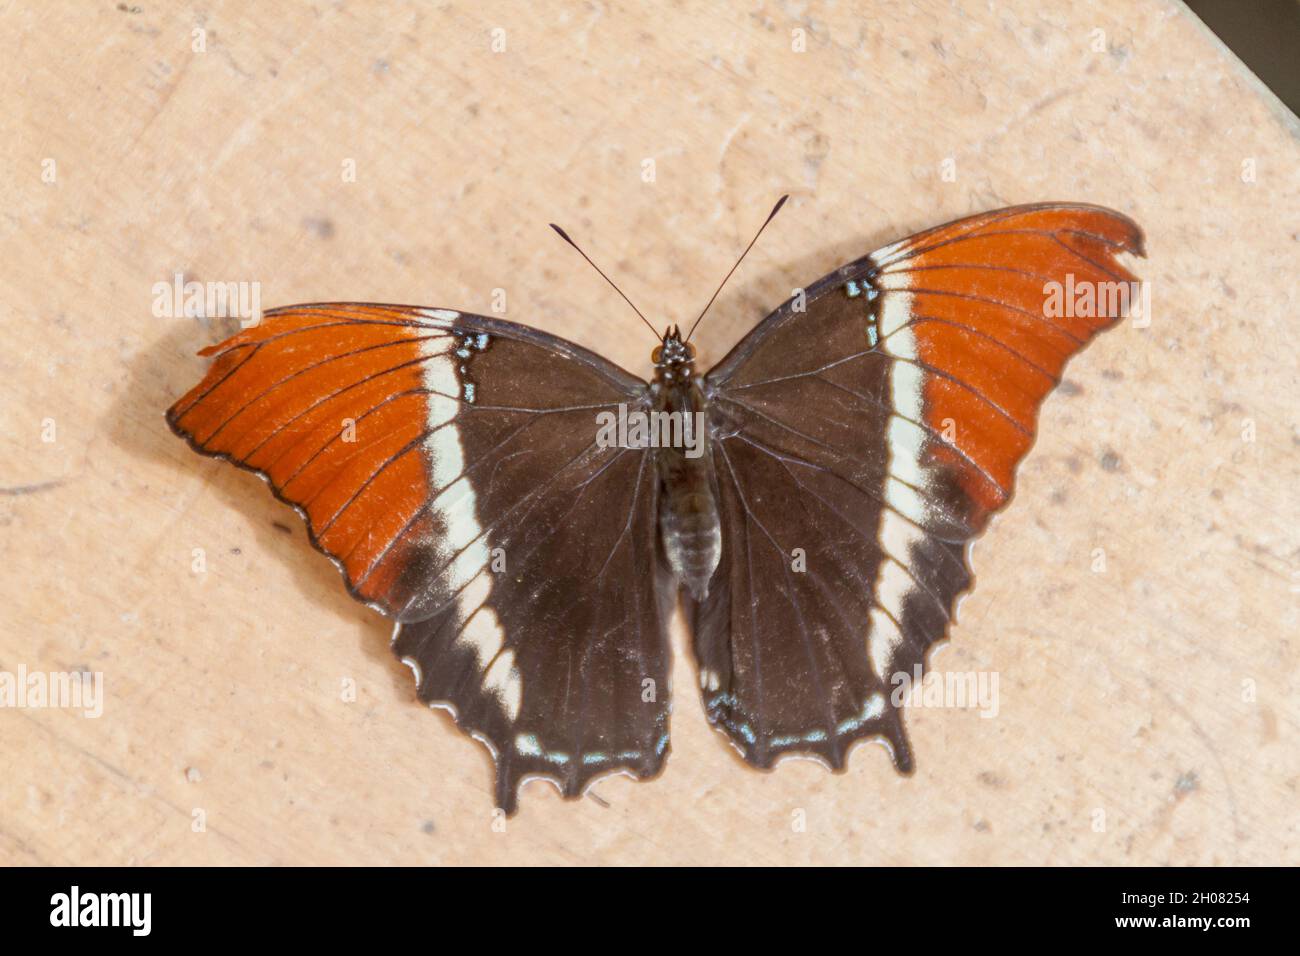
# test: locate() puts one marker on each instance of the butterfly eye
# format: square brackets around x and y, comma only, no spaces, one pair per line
[690,350]
[657,354]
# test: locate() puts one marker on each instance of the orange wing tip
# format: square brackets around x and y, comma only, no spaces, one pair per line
[1129,239]
[251,335]
[1139,243]
[1133,240]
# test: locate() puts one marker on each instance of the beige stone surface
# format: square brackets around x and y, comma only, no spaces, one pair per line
[1148,712]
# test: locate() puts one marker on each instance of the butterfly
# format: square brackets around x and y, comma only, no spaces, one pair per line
[844,453]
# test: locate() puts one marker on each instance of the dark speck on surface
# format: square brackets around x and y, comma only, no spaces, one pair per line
[320,227]
[1110,461]
[30,489]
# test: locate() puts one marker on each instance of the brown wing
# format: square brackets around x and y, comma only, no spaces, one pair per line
[864,434]
[448,463]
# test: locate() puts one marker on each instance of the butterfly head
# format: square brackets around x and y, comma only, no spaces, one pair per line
[674,358]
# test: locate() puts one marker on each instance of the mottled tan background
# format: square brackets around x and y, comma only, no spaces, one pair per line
[1148,712]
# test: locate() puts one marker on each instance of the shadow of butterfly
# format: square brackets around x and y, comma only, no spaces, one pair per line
[460,472]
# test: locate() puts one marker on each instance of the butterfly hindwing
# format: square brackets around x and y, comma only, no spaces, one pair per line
[448,463]
[863,434]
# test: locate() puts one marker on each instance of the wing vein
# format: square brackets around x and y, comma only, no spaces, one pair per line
[822,690]
[307,368]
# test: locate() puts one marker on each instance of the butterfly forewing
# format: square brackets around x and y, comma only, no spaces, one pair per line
[448,463]
[863,433]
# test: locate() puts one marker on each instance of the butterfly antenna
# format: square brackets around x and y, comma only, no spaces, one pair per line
[770,216]
[565,236]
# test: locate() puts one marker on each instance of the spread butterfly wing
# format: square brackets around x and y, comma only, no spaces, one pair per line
[863,434]
[448,464]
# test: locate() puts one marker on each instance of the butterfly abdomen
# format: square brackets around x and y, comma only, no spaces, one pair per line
[688,509]
[692,534]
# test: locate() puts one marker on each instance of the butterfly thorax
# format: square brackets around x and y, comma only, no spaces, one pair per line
[688,512]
